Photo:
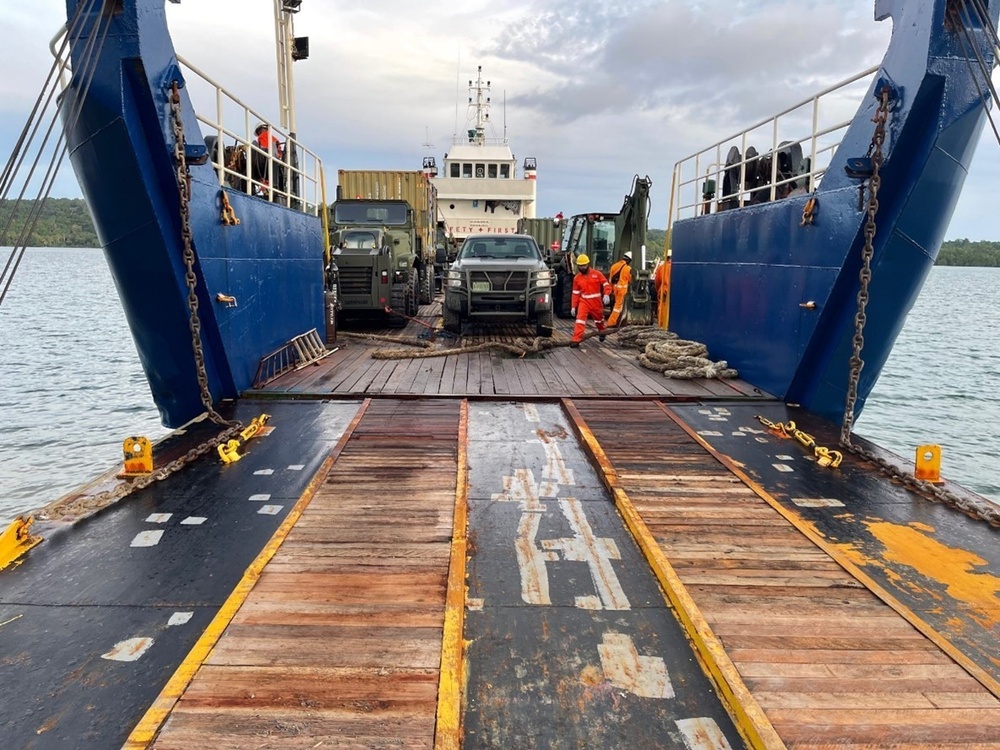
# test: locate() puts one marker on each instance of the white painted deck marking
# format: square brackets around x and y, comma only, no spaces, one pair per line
[751,430]
[785,458]
[296,467]
[474,605]
[587,602]
[521,488]
[702,734]
[531,561]
[783,467]
[555,470]
[761,440]
[817,502]
[193,521]
[596,552]
[264,472]
[704,411]
[718,418]
[259,498]
[146,539]
[158,517]
[179,618]
[721,410]
[709,433]
[270,510]
[739,433]
[645,676]
[130,650]
[531,413]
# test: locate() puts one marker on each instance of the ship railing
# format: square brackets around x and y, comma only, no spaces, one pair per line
[475,140]
[723,176]
[292,177]
[290,174]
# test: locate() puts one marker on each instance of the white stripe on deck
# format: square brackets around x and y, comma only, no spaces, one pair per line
[702,734]
[158,517]
[645,676]
[130,650]
[179,618]
[147,539]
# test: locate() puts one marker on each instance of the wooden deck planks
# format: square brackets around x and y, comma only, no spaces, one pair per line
[830,664]
[339,643]
[597,369]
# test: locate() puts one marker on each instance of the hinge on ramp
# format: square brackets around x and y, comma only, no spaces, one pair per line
[305,349]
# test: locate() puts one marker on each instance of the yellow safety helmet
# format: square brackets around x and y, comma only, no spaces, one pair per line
[582,260]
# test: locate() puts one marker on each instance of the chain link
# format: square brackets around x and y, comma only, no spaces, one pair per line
[78,507]
[979,509]
[856,363]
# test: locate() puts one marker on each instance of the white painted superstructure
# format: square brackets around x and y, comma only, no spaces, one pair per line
[479,189]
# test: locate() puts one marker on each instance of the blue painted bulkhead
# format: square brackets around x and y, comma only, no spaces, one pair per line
[122,151]
[739,278]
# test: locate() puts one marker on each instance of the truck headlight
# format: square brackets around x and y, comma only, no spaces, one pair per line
[543,278]
[454,278]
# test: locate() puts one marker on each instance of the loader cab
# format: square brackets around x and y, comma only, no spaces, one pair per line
[595,235]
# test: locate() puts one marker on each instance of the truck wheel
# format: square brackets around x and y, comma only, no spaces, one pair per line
[399,305]
[564,299]
[544,324]
[413,293]
[451,321]
[427,285]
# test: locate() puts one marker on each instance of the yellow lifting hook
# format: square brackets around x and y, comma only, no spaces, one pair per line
[229,451]
[824,456]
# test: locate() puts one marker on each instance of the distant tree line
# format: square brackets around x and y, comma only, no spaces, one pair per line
[64,222]
[966,253]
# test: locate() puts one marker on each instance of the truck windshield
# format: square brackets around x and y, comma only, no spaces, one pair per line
[360,240]
[374,212]
[502,247]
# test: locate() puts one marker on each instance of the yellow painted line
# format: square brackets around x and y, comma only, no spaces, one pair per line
[839,557]
[747,714]
[448,729]
[151,722]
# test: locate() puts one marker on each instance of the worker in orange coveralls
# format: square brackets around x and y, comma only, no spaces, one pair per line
[590,288]
[661,283]
[620,277]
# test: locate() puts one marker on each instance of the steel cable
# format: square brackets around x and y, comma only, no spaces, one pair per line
[88,57]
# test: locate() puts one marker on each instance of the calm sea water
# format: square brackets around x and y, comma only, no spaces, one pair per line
[71,388]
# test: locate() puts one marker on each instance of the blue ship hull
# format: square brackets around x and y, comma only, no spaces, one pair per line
[740,278]
[122,150]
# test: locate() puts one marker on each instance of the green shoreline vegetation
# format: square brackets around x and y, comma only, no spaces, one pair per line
[66,222]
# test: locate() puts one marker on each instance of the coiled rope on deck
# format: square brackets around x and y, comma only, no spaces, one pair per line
[662,351]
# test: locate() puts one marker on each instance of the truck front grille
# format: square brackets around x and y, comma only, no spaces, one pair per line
[355,280]
[501,281]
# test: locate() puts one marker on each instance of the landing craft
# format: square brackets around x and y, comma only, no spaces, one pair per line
[451,546]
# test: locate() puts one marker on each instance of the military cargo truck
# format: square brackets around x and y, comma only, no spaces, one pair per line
[417,190]
[374,247]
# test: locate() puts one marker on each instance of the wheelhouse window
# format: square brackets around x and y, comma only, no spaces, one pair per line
[455,170]
[505,171]
[480,170]
[466,170]
[491,170]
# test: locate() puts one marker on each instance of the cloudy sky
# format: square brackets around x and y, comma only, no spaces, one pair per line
[595,90]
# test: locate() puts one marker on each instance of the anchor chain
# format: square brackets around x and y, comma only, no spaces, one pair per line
[980,510]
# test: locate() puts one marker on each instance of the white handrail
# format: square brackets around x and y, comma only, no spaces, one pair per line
[300,167]
[707,168]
